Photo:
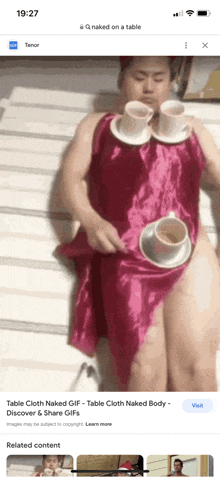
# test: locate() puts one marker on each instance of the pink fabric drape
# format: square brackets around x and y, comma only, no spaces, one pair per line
[131,186]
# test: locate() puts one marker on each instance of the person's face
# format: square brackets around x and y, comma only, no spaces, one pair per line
[177,467]
[51,462]
[147,80]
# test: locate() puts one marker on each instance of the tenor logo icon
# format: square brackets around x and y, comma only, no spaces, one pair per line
[13,45]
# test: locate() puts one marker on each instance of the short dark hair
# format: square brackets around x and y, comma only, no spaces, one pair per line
[58,456]
[125,62]
[179,460]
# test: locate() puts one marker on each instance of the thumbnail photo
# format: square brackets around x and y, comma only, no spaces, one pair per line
[106,465]
[39,465]
[111,216]
[186,465]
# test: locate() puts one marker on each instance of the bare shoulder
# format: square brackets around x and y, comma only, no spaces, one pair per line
[199,128]
[202,132]
[86,127]
[92,119]
[79,150]
[205,139]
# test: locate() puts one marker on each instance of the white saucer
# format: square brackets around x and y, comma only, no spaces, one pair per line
[162,262]
[142,139]
[173,140]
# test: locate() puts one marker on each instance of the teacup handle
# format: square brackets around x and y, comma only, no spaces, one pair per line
[172,214]
[151,113]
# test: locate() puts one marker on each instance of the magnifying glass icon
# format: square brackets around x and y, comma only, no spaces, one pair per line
[87,27]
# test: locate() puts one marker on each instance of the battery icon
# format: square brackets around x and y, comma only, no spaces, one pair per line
[203,13]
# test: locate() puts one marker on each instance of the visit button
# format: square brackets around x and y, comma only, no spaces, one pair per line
[197,405]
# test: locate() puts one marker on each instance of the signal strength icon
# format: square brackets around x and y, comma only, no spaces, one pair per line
[180,14]
[189,12]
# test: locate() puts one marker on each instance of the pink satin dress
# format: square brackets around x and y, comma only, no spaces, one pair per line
[131,186]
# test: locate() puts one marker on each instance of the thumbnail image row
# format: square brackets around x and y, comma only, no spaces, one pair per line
[110,465]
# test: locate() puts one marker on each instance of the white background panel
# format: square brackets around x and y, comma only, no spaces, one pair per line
[40,127]
[213,239]
[51,116]
[215,131]
[24,199]
[206,217]
[55,98]
[46,379]
[203,111]
[41,347]
[22,181]
[27,248]
[33,361]
[32,225]
[205,199]
[33,145]
[35,309]
[32,280]
[29,159]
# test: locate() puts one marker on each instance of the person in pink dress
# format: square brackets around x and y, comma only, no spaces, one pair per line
[51,466]
[162,324]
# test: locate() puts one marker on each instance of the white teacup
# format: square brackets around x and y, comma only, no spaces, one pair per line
[48,472]
[170,235]
[172,120]
[135,118]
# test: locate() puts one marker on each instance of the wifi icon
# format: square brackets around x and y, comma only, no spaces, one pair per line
[189,12]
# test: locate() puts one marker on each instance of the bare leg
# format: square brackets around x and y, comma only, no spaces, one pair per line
[149,369]
[192,317]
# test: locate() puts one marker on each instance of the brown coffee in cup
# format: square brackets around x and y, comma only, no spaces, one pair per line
[171,120]
[168,237]
[138,114]
[175,111]
[134,121]
[171,233]
[163,240]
